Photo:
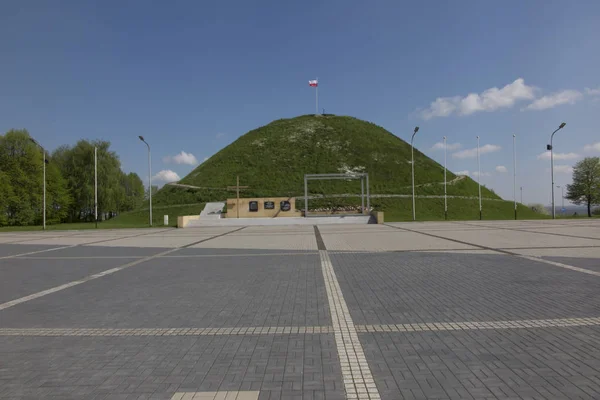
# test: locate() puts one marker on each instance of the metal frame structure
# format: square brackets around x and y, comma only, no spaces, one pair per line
[320,177]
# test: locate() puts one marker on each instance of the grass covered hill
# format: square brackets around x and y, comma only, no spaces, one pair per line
[273,159]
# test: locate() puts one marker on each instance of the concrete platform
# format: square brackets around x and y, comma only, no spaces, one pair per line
[279,221]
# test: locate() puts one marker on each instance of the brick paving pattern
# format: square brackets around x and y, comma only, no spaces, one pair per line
[279,366]
[405,311]
[549,363]
[219,292]
[397,288]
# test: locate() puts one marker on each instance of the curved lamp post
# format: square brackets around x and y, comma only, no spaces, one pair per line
[149,176]
[550,147]
[479,178]
[412,164]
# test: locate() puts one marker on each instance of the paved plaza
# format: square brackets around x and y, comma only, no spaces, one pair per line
[440,310]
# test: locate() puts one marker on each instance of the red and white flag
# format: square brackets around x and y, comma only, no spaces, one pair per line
[313,83]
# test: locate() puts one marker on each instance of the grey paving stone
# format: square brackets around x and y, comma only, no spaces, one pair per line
[22,277]
[264,289]
[159,367]
[182,292]
[397,288]
[500,364]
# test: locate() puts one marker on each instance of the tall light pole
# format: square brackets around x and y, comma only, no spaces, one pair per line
[445,193]
[412,164]
[521,194]
[515,172]
[549,147]
[562,194]
[96,185]
[479,177]
[149,176]
[44,181]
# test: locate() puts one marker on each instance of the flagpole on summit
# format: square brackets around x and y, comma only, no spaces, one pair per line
[315,84]
[317,95]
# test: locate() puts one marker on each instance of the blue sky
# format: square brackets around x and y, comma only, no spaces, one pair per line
[193,76]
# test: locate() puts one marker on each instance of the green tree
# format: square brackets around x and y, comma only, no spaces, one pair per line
[117,191]
[69,182]
[539,208]
[585,188]
[21,162]
[134,191]
[77,166]
[6,195]
[58,195]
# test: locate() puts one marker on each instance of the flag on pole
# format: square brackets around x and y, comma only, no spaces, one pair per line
[315,83]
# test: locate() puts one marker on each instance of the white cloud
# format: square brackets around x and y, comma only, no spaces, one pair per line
[471,153]
[563,169]
[592,147]
[476,174]
[466,173]
[449,146]
[490,100]
[181,158]
[555,99]
[166,175]
[558,156]
[501,168]
[593,92]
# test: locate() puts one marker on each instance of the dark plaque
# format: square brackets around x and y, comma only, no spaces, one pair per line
[285,205]
[253,206]
[269,205]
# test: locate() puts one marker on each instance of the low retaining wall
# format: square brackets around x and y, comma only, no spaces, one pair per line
[184,220]
[378,215]
[194,222]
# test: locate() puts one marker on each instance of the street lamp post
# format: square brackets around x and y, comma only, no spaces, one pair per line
[550,147]
[44,182]
[515,172]
[412,164]
[96,186]
[479,178]
[562,194]
[149,176]
[445,192]
[521,194]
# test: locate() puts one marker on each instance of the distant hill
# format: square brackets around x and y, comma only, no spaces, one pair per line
[273,159]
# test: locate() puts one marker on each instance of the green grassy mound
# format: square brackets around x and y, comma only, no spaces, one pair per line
[273,159]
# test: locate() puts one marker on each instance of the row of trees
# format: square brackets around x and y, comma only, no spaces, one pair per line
[69,182]
[585,188]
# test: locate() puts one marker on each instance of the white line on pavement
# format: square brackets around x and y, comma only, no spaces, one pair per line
[244,330]
[358,380]
[79,257]
[557,264]
[12,303]
[38,251]
[480,325]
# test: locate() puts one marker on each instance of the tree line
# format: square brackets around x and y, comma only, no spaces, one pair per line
[69,182]
[585,188]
